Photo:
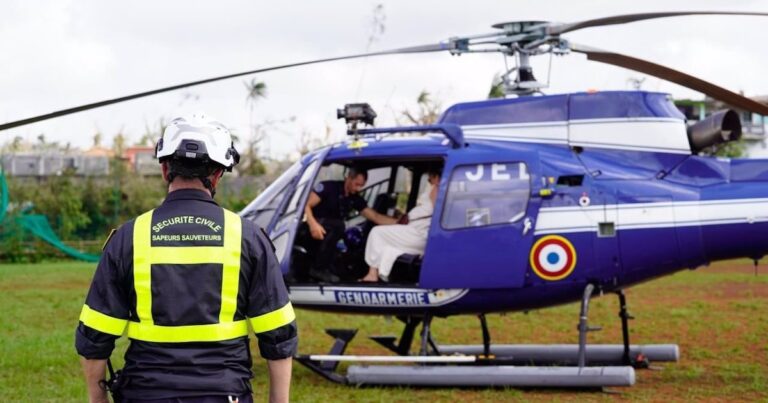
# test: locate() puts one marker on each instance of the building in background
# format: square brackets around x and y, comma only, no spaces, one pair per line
[96,161]
[141,160]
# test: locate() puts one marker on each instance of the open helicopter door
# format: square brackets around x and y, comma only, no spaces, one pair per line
[482,228]
[280,207]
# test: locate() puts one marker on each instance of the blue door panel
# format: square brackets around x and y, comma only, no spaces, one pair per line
[473,241]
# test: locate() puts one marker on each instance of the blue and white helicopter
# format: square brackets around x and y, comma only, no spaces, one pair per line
[543,201]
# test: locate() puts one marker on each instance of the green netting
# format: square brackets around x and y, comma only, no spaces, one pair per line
[39,226]
[4,197]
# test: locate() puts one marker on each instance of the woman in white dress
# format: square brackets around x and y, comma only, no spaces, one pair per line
[387,242]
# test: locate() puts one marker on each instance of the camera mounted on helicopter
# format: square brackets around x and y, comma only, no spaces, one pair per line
[353,114]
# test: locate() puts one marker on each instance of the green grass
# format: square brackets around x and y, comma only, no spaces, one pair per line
[717,315]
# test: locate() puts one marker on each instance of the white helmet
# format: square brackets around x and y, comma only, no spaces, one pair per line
[198,137]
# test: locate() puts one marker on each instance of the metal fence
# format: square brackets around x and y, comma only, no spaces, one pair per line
[53,165]
[41,165]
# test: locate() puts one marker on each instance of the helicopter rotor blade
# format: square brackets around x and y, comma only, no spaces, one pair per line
[672,75]
[413,49]
[557,29]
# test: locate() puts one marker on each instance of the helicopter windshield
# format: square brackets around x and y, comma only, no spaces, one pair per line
[262,209]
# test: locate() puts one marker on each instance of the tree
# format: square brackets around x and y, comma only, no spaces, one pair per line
[378,25]
[731,149]
[97,139]
[308,141]
[636,83]
[44,145]
[250,161]
[256,91]
[427,113]
[118,144]
[152,133]
[17,144]
[497,88]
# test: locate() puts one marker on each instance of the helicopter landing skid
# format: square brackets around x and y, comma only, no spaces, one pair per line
[566,354]
[327,369]
[403,346]
[523,365]
[462,370]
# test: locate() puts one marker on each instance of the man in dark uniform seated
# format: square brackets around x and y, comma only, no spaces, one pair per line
[329,204]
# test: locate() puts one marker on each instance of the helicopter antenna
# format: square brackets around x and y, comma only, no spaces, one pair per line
[549,69]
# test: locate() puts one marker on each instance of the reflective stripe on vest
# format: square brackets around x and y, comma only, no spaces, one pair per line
[145,255]
[101,322]
[273,320]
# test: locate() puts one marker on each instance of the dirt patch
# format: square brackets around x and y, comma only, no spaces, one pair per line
[733,290]
[61,285]
[738,266]
[706,293]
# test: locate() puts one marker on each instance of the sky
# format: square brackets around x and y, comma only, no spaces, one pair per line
[56,54]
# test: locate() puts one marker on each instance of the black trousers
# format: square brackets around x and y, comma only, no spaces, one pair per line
[193,399]
[324,251]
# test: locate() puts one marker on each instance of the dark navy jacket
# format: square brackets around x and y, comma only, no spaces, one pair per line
[155,370]
[333,203]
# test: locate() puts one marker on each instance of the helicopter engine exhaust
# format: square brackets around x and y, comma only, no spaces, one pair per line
[720,127]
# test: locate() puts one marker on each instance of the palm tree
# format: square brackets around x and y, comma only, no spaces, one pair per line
[17,144]
[256,91]
[428,112]
[250,163]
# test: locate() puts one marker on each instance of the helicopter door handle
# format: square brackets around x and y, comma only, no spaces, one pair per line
[527,225]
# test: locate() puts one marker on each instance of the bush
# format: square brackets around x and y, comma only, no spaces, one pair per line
[87,208]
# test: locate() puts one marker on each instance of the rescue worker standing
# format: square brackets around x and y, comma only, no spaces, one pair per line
[185,282]
[329,204]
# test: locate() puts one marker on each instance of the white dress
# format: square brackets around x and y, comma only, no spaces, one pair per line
[387,242]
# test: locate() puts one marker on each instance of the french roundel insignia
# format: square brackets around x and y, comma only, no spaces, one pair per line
[553,258]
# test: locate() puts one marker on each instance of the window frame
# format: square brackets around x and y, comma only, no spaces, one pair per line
[283,185]
[519,216]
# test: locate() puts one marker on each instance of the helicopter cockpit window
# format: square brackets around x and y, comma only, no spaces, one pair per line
[262,209]
[377,184]
[305,177]
[281,244]
[486,194]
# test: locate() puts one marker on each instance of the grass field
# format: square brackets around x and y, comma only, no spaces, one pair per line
[718,316]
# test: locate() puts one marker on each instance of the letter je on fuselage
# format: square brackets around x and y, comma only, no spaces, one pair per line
[474,177]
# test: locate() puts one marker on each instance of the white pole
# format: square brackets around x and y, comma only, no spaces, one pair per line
[379,358]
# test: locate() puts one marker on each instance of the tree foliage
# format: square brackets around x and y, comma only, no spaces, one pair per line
[731,149]
[251,163]
[88,207]
[497,88]
[427,110]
